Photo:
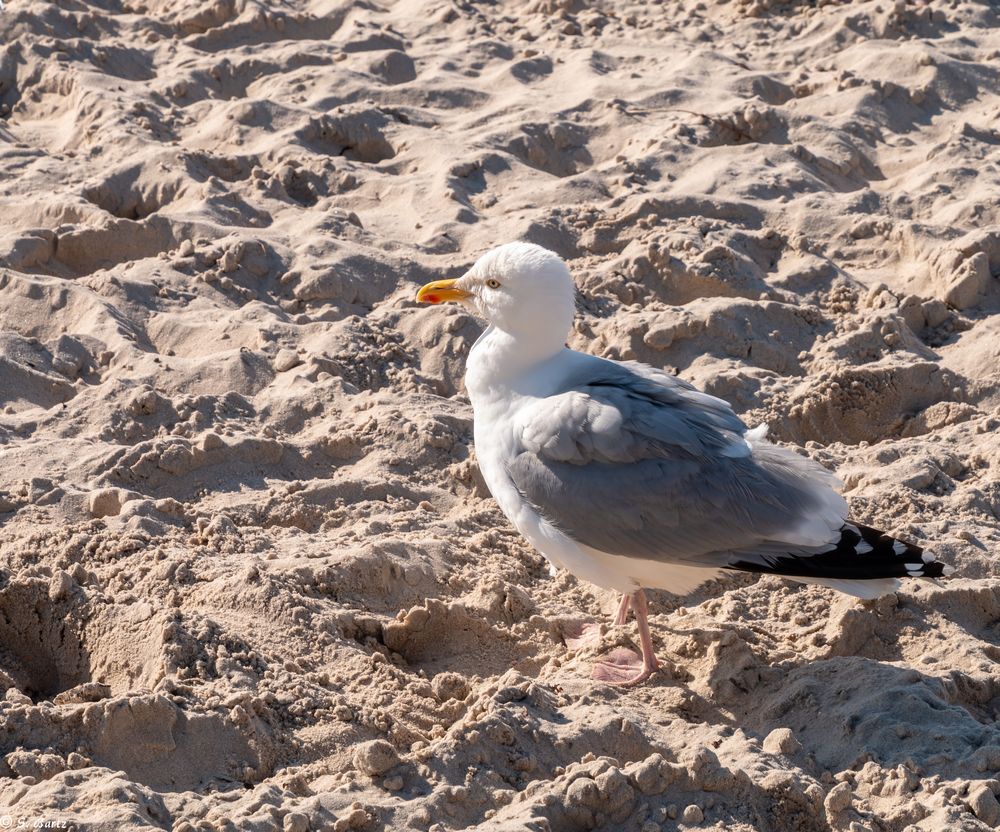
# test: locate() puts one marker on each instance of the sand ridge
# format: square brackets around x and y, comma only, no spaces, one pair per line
[250,576]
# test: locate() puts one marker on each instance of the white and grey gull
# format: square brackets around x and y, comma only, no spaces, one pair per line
[631,478]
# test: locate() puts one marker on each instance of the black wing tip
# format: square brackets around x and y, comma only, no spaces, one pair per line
[862,553]
[914,560]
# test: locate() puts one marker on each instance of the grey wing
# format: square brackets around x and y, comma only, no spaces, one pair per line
[637,463]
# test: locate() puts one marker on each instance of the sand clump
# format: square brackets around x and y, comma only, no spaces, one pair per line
[250,576]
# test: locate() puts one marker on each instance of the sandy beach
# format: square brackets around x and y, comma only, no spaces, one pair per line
[250,575]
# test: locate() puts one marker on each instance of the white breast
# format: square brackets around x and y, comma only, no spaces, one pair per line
[494,444]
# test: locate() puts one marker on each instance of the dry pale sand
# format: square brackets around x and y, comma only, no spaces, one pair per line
[250,578]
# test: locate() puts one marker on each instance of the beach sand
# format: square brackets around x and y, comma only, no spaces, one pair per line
[250,577]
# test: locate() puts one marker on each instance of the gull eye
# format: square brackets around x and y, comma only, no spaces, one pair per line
[493,284]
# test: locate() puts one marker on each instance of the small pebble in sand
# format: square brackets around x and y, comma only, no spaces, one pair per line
[295,822]
[211,442]
[838,799]
[693,814]
[357,818]
[984,805]
[782,741]
[60,585]
[75,760]
[449,686]
[286,359]
[104,502]
[375,757]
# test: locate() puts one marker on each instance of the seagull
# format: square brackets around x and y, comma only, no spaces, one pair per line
[631,478]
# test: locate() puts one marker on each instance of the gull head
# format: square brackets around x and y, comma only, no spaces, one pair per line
[520,288]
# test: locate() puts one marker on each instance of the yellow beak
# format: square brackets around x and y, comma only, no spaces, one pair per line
[441,290]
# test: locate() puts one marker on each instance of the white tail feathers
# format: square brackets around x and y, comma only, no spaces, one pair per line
[866,590]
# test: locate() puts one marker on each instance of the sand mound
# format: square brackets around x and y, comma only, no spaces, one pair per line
[250,577]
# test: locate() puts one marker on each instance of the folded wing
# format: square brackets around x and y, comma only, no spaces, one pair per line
[634,462]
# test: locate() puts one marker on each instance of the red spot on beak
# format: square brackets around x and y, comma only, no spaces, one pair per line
[431,298]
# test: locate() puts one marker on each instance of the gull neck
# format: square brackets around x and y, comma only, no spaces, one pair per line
[501,361]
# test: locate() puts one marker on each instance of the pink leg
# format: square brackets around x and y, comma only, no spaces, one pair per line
[649,661]
[622,615]
[623,667]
